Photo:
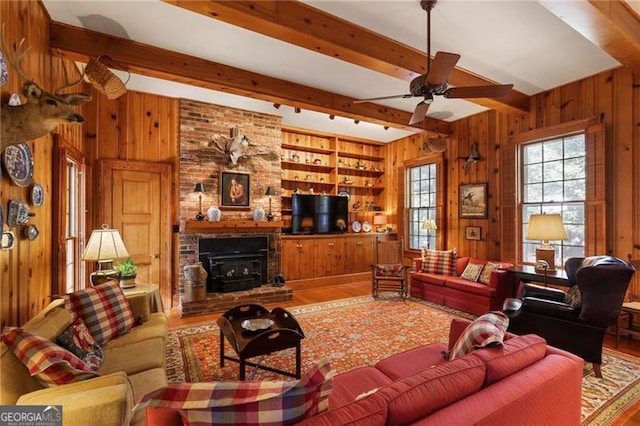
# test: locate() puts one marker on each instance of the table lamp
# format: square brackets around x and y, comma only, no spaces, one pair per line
[199,189]
[546,227]
[270,192]
[103,247]
[429,224]
[380,220]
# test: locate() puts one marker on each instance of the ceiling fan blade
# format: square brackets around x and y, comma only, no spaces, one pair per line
[441,66]
[495,91]
[359,101]
[419,112]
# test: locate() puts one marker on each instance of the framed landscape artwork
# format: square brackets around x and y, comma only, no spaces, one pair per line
[234,190]
[473,201]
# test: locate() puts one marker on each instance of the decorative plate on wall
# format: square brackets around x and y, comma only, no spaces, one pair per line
[366,226]
[356,226]
[18,162]
[37,195]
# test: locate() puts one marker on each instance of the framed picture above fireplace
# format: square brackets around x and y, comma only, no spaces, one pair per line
[235,190]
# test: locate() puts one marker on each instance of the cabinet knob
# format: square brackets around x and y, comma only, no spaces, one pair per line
[332,244]
[358,243]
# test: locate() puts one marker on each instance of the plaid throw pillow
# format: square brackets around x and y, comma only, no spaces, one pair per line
[50,363]
[485,276]
[247,403]
[78,340]
[485,330]
[441,262]
[395,270]
[104,309]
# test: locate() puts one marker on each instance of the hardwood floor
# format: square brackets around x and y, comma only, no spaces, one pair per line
[305,297]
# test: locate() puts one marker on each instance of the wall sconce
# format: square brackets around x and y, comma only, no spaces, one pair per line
[429,224]
[199,189]
[270,192]
[103,247]
[546,227]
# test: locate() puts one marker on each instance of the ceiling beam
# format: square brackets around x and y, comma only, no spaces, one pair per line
[612,25]
[302,25]
[80,44]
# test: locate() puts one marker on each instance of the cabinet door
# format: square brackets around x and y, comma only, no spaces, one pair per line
[290,249]
[360,254]
[307,259]
[330,255]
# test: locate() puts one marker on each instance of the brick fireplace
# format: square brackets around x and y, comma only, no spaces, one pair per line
[200,163]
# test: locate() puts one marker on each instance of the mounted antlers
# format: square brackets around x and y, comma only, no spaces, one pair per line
[237,147]
[43,111]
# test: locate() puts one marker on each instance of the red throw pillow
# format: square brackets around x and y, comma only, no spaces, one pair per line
[50,363]
[394,270]
[104,309]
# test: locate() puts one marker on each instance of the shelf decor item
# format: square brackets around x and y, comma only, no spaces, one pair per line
[199,189]
[214,214]
[258,214]
[269,193]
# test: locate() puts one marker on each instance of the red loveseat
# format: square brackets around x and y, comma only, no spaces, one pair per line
[459,293]
[523,382]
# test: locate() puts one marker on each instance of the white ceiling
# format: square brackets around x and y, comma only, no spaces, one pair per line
[517,42]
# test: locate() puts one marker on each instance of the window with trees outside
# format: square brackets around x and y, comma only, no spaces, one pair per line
[422,198]
[553,176]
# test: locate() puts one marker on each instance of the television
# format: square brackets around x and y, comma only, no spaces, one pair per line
[319,214]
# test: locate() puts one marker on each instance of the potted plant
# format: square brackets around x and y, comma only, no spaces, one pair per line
[127,273]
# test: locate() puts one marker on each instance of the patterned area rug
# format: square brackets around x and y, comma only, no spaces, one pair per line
[361,331]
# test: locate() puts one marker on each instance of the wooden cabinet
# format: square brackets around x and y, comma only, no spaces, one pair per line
[314,163]
[298,258]
[306,257]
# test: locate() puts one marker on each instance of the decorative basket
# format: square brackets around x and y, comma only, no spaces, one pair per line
[104,80]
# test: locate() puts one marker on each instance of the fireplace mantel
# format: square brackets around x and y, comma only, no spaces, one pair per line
[197,227]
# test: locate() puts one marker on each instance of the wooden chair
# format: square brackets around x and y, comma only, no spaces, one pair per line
[630,308]
[388,273]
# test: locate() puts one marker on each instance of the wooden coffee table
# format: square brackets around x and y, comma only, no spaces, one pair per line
[285,333]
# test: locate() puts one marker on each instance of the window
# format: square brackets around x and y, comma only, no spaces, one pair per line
[69,220]
[422,201]
[553,176]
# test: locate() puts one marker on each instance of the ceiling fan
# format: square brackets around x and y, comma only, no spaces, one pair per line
[434,82]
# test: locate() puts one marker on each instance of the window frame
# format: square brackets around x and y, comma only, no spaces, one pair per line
[438,235]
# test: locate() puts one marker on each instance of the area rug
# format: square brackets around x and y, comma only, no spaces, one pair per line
[361,331]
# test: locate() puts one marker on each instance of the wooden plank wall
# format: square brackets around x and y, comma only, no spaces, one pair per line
[613,97]
[26,271]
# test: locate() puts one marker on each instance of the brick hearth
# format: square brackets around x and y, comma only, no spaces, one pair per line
[221,302]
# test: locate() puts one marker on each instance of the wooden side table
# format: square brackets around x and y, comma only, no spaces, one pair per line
[624,325]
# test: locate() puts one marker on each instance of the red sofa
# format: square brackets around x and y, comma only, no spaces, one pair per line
[458,293]
[523,382]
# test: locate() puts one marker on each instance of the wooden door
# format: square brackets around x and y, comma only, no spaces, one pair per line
[135,202]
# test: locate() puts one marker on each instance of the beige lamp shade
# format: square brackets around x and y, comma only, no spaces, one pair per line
[105,244]
[546,227]
[380,219]
[429,224]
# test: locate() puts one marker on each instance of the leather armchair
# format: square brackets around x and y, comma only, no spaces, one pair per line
[576,320]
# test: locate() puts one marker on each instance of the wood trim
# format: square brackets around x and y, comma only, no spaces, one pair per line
[80,44]
[194,226]
[313,29]
[574,126]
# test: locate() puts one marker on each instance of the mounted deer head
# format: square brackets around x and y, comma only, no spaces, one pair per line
[43,111]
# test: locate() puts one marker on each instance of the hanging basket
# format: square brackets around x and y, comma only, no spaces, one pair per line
[104,80]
